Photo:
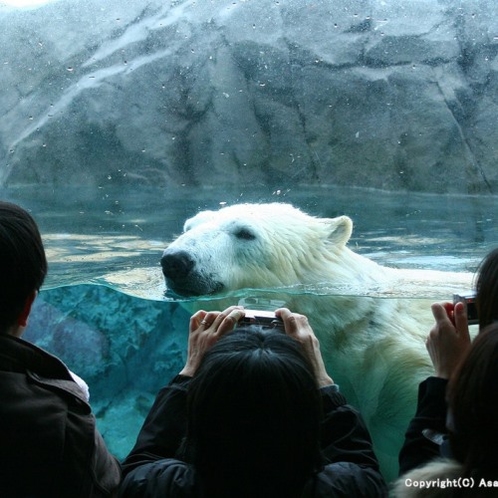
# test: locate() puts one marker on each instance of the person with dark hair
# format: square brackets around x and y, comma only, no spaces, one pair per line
[49,445]
[470,468]
[253,414]
[487,290]
[473,410]
[448,343]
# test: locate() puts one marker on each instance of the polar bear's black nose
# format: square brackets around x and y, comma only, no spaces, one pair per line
[176,265]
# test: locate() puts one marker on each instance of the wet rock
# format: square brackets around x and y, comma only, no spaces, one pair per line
[392,96]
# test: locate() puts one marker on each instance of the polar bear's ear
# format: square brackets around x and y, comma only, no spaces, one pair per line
[340,230]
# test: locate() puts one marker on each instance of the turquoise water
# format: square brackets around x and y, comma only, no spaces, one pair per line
[116,236]
[103,309]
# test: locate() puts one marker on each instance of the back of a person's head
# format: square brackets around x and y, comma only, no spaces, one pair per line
[23,264]
[487,289]
[254,416]
[473,402]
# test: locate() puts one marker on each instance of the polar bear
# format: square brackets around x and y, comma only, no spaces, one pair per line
[372,341]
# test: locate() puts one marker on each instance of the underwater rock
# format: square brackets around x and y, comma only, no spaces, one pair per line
[124,347]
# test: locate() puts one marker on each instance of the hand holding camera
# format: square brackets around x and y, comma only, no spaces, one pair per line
[449,339]
[207,327]
[204,331]
[469,300]
[298,327]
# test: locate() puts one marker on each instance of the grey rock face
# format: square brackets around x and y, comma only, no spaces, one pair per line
[391,95]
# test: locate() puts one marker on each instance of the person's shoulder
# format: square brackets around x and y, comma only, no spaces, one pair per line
[28,356]
[348,479]
[434,383]
[168,477]
[37,368]
[332,397]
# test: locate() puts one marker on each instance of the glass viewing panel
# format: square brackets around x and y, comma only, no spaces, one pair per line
[121,120]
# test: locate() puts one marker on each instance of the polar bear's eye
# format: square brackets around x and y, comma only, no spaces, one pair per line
[244,234]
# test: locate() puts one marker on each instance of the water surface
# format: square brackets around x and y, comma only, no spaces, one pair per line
[115,236]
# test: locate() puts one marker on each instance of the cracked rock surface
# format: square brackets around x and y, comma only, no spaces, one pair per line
[390,95]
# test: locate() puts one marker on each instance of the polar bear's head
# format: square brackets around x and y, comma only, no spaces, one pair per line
[252,246]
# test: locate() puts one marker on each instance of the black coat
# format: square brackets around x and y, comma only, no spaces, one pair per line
[425,438]
[152,469]
[49,445]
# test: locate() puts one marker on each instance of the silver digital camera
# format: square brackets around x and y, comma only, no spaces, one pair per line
[265,319]
[470,303]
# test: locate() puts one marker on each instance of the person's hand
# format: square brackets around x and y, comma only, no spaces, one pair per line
[297,327]
[449,339]
[204,331]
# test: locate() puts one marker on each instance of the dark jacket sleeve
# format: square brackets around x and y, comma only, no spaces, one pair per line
[164,428]
[105,469]
[424,433]
[151,469]
[345,436]
[351,466]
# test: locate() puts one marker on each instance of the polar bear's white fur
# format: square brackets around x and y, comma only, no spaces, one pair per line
[374,347]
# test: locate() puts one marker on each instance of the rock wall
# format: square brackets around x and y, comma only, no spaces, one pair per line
[387,94]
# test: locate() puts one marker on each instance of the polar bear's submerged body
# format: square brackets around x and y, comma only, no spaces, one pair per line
[374,348]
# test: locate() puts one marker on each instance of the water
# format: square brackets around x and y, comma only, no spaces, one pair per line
[115,236]
[103,309]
